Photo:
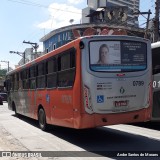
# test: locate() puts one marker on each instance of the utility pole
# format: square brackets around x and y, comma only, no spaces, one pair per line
[22,54]
[34,45]
[7,63]
[147,24]
[148,19]
[156,22]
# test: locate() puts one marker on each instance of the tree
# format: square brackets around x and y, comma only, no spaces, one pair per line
[3,72]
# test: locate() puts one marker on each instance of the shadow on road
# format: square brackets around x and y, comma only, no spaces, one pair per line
[102,139]
[26,119]
[150,125]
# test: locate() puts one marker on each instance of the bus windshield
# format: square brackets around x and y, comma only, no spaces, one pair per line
[120,56]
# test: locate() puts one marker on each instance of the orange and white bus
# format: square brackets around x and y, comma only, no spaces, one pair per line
[89,82]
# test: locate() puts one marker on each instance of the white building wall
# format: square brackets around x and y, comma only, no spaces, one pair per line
[85,12]
[96,3]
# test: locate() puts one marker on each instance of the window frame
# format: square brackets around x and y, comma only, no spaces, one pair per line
[54,72]
[32,69]
[71,51]
[39,76]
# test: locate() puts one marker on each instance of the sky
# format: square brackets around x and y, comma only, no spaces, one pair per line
[30,20]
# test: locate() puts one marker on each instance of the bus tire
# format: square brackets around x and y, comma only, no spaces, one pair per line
[42,119]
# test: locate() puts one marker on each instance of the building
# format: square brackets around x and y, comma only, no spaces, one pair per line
[111,11]
[101,17]
[154,24]
[26,56]
[61,36]
[133,7]
[29,56]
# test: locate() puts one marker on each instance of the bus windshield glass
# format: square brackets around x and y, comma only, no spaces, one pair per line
[120,56]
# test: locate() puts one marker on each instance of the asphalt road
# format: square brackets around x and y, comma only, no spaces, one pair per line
[23,134]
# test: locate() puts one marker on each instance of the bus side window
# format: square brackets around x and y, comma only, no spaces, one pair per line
[66,69]
[155,60]
[51,77]
[7,84]
[12,82]
[156,69]
[17,81]
[32,78]
[25,79]
[41,82]
[21,80]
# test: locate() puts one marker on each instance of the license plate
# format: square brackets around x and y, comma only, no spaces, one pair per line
[121,103]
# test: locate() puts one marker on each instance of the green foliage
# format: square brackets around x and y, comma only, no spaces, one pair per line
[3,72]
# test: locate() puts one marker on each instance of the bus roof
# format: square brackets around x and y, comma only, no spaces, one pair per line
[44,57]
[67,46]
[155,45]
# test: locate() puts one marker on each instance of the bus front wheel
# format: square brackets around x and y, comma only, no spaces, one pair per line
[42,120]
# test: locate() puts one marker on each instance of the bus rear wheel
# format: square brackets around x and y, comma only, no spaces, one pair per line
[42,120]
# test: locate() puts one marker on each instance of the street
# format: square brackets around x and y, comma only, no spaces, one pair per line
[22,134]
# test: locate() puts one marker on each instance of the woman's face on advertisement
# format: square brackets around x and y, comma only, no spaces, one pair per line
[104,52]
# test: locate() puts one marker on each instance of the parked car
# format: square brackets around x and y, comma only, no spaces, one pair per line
[1,100]
[4,96]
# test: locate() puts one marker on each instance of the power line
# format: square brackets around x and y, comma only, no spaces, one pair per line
[22,54]
[41,6]
[126,25]
[145,22]
[130,20]
[44,6]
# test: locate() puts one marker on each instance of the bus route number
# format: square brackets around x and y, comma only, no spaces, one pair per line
[138,83]
[156,84]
